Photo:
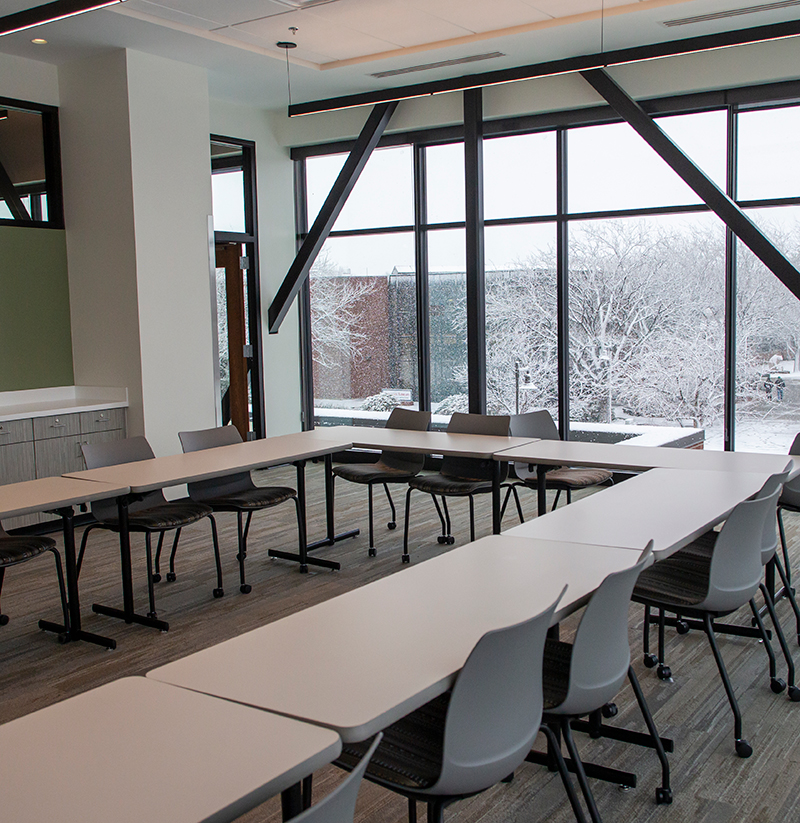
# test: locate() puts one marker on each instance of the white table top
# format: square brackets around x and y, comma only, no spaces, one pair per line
[620,456]
[403,440]
[670,506]
[360,661]
[136,750]
[53,493]
[160,472]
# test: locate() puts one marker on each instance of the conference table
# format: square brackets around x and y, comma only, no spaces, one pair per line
[137,750]
[447,444]
[545,453]
[362,660]
[145,476]
[59,495]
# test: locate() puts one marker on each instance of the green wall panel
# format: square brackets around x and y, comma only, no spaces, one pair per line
[35,336]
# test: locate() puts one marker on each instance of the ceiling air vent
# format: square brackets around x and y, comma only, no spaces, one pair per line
[723,15]
[303,4]
[442,63]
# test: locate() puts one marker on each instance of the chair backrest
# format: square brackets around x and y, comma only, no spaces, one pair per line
[601,652]
[114,453]
[410,420]
[769,537]
[218,486]
[791,490]
[496,707]
[736,567]
[340,805]
[539,424]
[473,468]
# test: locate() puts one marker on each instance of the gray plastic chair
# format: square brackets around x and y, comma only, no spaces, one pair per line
[539,424]
[459,476]
[789,501]
[150,514]
[390,467]
[235,492]
[583,677]
[16,549]
[340,805]
[710,578]
[470,738]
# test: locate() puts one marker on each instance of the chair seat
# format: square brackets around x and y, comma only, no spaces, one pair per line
[15,549]
[262,497]
[372,473]
[679,580]
[172,515]
[574,478]
[442,484]
[555,673]
[410,754]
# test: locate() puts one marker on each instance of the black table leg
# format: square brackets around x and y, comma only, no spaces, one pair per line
[330,536]
[74,630]
[496,473]
[541,489]
[291,801]
[127,612]
[302,557]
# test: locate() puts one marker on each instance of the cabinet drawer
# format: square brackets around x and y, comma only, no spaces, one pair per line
[58,455]
[102,420]
[60,425]
[16,431]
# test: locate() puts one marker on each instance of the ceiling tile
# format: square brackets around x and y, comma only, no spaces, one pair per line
[397,23]
[224,13]
[480,16]
[567,8]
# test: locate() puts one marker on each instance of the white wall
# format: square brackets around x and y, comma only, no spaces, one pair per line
[28,80]
[276,251]
[137,192]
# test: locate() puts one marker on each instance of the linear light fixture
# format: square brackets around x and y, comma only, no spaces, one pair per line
[49,13]
[569,65]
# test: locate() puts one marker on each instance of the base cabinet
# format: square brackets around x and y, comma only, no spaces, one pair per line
[51,446]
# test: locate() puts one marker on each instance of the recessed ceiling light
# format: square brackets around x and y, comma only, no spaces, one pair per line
[40,41]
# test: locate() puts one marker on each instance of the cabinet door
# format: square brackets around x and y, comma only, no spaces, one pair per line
[17,465]
[60,425]
[58,455]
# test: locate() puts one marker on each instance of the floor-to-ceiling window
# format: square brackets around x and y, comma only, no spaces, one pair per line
[642,263]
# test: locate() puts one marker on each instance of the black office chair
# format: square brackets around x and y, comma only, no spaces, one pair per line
[459,476]
[711,577]
[19,549]
[390,467]
[151,514]
[540,425]
[789,501]
[474,736]
[235,492]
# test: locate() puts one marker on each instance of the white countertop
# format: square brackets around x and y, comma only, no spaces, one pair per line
[19,405]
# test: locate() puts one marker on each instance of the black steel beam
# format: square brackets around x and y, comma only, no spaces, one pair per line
[729,416]
[337,197]
[11,196]
[47,13]
[421,280]
[562,284]
[476,274]
[716,199]
[688,45]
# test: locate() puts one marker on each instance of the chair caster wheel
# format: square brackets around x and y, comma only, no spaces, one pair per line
[794,694]
[743,748]
[218,592]
[441,539]
[156,578]
[450,540]
[777,685]
[682,627]
[663,796]
[245,588]
[664,673]
[171,577]
[3,619]
[651,661]
[406,558]
[610,710]
[391,525]
[373,552]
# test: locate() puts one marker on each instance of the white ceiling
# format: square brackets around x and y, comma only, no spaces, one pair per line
[340,43]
